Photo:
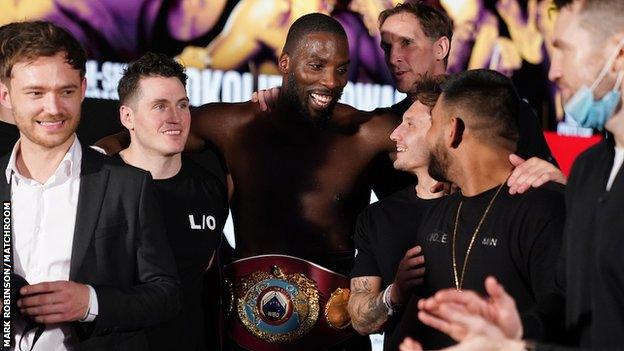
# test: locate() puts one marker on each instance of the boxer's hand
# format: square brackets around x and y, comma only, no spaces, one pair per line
[267,98]
[533,172]
[409,274]
[54,302]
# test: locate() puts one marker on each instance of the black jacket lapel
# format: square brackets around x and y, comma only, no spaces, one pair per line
[5,188]
[93,182]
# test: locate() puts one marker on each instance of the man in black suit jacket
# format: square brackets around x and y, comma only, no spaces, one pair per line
[87,232]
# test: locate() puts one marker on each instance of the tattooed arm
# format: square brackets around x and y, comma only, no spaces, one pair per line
[366,307]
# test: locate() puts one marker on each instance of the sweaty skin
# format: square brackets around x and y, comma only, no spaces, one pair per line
[296,190]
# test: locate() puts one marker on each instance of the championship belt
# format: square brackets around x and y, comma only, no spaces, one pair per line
[283,303]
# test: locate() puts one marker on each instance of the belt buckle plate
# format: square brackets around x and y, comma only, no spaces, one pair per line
[277,307]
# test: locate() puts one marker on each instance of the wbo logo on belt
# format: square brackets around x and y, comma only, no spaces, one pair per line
[277,307]
[284,303]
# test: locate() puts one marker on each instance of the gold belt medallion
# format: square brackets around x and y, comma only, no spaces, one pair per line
[277,307]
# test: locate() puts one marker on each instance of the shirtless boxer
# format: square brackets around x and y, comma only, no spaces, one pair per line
[298,177]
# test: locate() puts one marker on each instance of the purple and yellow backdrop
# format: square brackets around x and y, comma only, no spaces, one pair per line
[230,46]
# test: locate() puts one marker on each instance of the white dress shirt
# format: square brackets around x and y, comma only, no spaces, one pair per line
[617,164]
[44,217]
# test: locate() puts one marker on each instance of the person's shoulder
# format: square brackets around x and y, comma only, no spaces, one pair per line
[374,123]
[549,196]
[590,161]
[226,109]
[195,170]
[405,198]
[115,165]
[549,189]
[225,114]
[594,152]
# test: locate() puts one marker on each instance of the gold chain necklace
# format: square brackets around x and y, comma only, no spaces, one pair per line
[459,281]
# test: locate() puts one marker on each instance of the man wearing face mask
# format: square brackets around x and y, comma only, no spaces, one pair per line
[589,112]
[587,65]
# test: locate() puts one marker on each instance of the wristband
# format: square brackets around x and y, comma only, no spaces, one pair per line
[387,301]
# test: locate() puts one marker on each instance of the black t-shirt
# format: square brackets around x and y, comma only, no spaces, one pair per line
[518,243]
[195,207]
[384,232]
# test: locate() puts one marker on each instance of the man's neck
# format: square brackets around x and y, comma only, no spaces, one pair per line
[482,170]
[288,119]
[438,68]
[425,184]
[161,167]
[38,162]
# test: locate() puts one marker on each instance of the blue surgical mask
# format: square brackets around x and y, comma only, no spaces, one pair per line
[591,113]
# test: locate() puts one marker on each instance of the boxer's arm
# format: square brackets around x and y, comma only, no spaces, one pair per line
[113,144]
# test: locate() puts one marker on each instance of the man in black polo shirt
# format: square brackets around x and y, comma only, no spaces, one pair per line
[482,230]
[155,109]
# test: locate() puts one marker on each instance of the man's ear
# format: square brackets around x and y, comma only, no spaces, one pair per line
[456,133]
[5,97]
[441,48]
[126,116]
[284,63]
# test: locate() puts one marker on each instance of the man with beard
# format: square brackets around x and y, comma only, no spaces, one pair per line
[587,302]
[87,234]
[482,230]
[298,177]
[416,40]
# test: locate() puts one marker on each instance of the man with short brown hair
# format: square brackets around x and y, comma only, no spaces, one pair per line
[86,232]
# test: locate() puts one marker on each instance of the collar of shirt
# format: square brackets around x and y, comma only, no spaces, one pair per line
[69,167]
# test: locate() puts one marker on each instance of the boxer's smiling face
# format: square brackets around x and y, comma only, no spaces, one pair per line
[316,74]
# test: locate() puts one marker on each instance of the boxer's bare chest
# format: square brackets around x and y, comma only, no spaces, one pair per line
[284,184]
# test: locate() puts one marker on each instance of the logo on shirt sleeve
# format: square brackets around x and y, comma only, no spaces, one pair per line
[204,222]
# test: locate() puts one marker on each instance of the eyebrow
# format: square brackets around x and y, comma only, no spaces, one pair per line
[160,101]
[317,57]
[394,36]
[41,87]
